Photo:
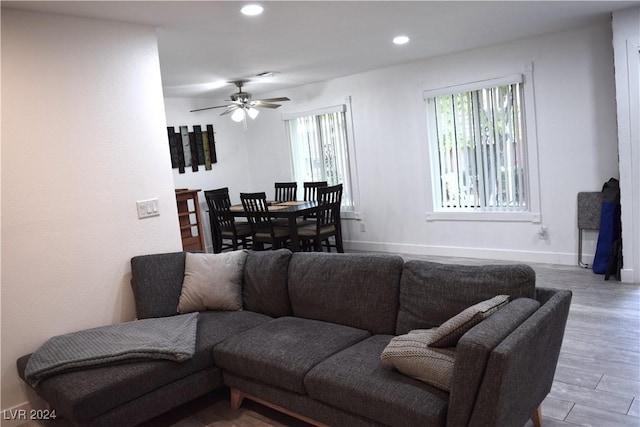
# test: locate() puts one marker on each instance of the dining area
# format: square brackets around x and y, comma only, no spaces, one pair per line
[277,219]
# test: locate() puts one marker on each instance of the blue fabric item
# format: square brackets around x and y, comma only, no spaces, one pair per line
[610,231]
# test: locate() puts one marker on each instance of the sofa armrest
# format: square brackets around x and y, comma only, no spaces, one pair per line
[521,368]
[472,354]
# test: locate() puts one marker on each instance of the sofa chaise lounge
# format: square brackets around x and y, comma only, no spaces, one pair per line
[309,340]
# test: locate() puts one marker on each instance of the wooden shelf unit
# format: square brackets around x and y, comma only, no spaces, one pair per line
[190,220]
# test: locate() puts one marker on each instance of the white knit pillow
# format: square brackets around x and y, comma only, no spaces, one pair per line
[449,333]
[212,282]
[411,355]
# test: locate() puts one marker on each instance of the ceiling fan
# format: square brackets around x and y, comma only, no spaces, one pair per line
[241,105]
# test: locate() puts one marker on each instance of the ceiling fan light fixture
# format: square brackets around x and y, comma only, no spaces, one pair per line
[252,10]
[253,112]
[238,115]
[241,105]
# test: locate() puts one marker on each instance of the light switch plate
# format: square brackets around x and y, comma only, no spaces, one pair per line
[147,208]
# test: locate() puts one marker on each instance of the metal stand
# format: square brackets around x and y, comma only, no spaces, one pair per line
[589,205]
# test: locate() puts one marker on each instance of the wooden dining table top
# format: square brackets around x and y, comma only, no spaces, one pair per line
[282,209]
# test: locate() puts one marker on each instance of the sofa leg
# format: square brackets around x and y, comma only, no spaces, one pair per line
[536,417]
[236,399]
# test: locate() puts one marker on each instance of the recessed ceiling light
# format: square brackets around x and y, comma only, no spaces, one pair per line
[252,10]
[401,40]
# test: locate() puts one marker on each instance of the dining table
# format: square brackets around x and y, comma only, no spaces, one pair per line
[291,210]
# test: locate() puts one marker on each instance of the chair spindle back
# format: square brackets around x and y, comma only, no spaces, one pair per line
[286,191]
[330,198]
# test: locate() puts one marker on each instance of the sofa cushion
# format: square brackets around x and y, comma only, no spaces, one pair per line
[144,409]
[411,355]
[265,282]
[432,293]
[347,289]
[355,380]
[448,334]
[212,282]
[282,351]
[85,394]
[156,281]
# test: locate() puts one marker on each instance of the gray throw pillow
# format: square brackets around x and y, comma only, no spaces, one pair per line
[411,355]
[212,282]
[449,333]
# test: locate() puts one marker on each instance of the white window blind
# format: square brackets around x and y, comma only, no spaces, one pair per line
[319,148]
[480,152]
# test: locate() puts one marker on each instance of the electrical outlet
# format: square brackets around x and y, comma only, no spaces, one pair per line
[363,227]
[147,208]
[543,233]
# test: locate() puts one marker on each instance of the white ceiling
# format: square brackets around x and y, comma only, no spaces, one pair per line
[204,42]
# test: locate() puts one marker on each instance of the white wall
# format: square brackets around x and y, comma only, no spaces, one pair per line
[576,128]
[83,138]
[626,44]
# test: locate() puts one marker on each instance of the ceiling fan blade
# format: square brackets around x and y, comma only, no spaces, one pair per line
[284,98]
[231,109]
[265,105]
[208,108]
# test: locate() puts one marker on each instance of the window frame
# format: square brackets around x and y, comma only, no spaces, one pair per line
[435,211]
[344,107]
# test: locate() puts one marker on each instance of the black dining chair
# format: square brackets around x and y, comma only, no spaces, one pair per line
[311,189]
[311,193]
[327,221]
[223,223]
[262,229]
[286,191]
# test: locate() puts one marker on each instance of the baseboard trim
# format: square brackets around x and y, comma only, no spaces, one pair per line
[459,252]
[627,275]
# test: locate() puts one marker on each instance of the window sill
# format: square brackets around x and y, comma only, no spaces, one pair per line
[350,215]
[534,217]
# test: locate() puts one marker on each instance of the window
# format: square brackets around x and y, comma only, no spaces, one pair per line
[478,145]
[320,150]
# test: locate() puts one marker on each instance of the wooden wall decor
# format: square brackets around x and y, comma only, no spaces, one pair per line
[192,149]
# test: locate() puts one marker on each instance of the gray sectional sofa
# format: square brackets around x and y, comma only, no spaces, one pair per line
[310,336]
